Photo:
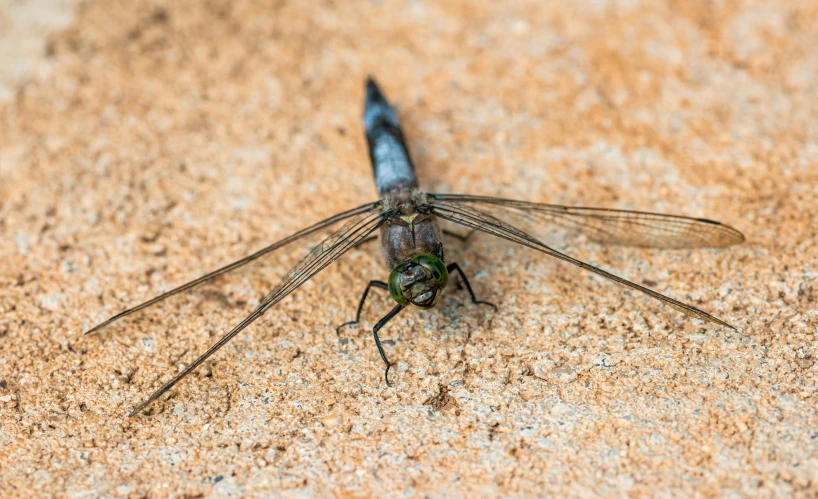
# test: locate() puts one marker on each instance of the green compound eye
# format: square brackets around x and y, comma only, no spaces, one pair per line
[394,286]
[435,266]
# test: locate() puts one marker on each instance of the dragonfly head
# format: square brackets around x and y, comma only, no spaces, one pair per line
[419,281]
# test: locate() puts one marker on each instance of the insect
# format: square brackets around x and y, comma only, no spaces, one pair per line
[412,244]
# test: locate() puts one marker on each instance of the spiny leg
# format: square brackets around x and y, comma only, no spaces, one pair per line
[377,284]
[454,266]
[370,239]
[459,237]
[381,323]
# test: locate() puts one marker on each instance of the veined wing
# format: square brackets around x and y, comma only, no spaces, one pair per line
[630,228]
[364,209]
[465,214]
[338,243]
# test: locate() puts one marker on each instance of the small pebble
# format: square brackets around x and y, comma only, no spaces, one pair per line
[332,420]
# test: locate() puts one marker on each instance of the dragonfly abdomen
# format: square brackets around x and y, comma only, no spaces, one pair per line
[387,149]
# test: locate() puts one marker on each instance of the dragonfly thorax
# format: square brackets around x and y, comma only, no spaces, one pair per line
[407,233]
[419,281]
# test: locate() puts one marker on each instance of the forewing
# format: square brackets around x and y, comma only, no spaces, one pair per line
[465,214]
[368,208]
[602,225]
[338,243]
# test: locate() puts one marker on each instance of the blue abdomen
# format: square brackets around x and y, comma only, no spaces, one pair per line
[387,149]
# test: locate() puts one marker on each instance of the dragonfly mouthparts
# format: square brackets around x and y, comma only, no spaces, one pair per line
[419,287]
[412,275]
[427,299]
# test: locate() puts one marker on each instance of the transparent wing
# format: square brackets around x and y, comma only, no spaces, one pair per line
[467,215]
[630,228]
[338,243]
[364,209]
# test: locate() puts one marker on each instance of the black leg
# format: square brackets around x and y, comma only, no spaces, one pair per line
[459,237]
[377,284]
[381,323]
[368,239]
[452,267]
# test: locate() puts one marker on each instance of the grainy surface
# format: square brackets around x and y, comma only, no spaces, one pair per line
[171,137]
[25,28]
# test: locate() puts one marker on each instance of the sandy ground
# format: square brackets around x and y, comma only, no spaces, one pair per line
[167,138]
[26,26]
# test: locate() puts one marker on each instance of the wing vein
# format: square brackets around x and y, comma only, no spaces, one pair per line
[316,260]
[239,263]
[633,228]
[476,219]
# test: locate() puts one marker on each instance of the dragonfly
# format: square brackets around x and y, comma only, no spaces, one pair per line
[406,221]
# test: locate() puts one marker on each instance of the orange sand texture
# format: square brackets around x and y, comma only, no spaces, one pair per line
[168,138]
